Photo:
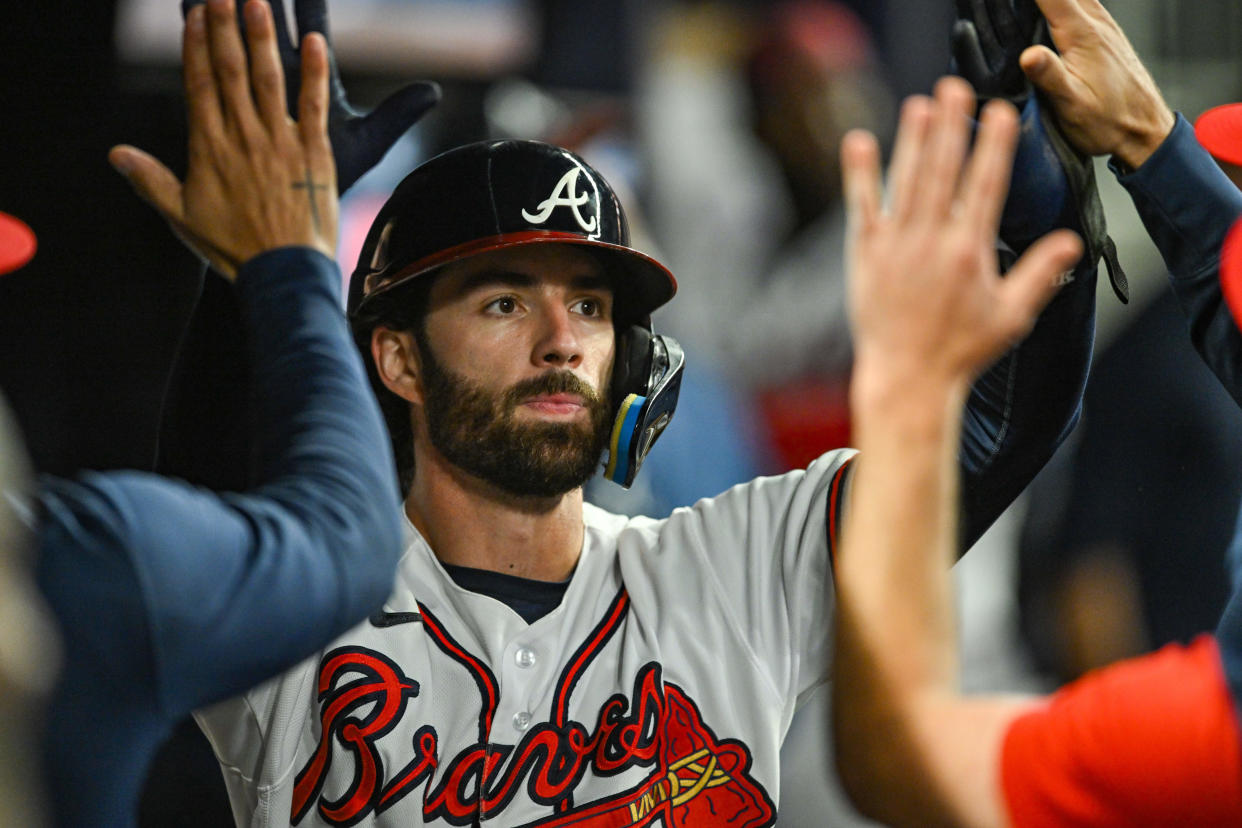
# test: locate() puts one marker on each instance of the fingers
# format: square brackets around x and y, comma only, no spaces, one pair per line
[1046,70]
[267,78]
[904,168]
[153,182]
[313,98]
[946,147]
[228,62]
[1069,20]
[860,171]
[202,100]
[1035,279]
[987,173]
[242,86]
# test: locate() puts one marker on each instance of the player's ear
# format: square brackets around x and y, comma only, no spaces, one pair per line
[396,362]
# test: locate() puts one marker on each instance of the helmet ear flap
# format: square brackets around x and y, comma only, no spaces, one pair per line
[646,381]
[631,369]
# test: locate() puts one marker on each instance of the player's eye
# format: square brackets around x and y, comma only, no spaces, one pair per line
[590,307]
[503,305]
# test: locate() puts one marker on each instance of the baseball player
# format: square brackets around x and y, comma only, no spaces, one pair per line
[538,660]
[168,597]
[1153,741]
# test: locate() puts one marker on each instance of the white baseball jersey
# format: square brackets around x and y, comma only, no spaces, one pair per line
[658,692]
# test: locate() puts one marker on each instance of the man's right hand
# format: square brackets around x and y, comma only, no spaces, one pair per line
[256,179]
[1105,100]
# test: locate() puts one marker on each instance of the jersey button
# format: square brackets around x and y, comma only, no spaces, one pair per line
[525,657]
[521,721]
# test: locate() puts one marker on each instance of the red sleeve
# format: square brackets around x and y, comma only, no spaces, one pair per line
[1149,741]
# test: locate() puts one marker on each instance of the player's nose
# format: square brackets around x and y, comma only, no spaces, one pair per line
[557,341]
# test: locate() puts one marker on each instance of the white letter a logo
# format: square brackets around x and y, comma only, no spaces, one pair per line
[564,195]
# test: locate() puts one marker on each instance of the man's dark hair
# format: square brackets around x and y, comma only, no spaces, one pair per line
[403,308]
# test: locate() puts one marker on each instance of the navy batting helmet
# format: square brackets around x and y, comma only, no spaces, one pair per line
[497,194]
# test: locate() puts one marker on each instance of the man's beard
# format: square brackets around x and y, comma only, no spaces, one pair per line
[477,430]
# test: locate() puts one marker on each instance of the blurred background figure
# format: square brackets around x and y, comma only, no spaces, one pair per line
[29,650]
[742,110]
[29,653]
[1121,551]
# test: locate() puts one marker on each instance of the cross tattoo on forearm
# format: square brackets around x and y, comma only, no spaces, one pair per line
[308,184]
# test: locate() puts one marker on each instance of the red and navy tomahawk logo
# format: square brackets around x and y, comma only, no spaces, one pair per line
[693,777]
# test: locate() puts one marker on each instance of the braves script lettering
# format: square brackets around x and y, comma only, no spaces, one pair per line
[565,194]
[693,778]
[377,681]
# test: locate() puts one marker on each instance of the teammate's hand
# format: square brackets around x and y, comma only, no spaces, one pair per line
[359,141]
[927,302]
[1053,181]
[988,38]
[1104,98]
[256,180]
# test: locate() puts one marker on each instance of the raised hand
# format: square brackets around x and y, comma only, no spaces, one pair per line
[359,141]
[1105,100]
[256,179]
[928,305]
[1053,179]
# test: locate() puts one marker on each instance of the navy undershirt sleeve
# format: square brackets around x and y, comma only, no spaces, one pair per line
[186,596]
[1187,204]
[169,596]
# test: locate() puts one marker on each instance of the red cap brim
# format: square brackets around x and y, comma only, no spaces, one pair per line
[1219,130]
[1231,271]
[17,243]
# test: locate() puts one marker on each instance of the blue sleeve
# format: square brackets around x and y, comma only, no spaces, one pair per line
[1188,205]
[189,596]
[1025,405]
